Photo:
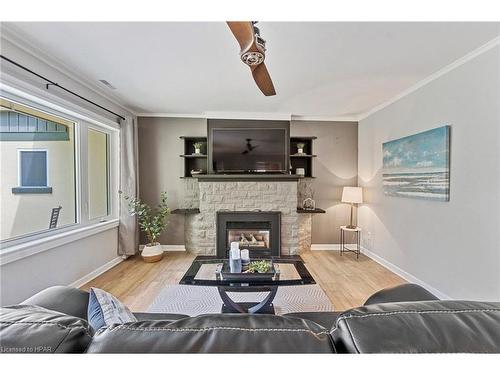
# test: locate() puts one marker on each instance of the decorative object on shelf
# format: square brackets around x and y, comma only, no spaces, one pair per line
[197,147]
[309,204]
[245,260]
[418,166]
[152,222]
[300,148]
[195,172]
[300,172]
[352,195]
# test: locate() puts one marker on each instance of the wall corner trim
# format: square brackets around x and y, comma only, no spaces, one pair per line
[402,273]
[98,271]
[448,68]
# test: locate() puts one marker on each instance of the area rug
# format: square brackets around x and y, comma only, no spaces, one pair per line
[195,300]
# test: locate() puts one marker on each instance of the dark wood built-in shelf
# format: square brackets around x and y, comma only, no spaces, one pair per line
[315,211]
[186,211]
[302,160]
[193,156]
[247,177]
[194,161]
[303,156]
[197,162]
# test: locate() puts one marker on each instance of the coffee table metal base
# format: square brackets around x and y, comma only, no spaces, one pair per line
[263,307]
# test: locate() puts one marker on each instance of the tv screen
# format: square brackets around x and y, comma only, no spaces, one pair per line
[238,150]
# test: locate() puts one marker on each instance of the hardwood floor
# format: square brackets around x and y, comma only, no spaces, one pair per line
[347,282]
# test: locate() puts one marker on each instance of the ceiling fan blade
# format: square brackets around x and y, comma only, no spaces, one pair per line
[243,32]
[263,80]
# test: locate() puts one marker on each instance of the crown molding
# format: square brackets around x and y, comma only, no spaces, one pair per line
[223,115]
[10,34]
[250,116]
[167,114]
[448,68]
[325,118]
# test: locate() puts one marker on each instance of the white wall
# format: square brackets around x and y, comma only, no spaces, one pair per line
[62,265]
[452,246]
[66,264]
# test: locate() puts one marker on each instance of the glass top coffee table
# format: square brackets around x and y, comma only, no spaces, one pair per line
[207,271]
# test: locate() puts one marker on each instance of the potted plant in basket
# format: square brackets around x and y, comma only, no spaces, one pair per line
[197,147]
[152,222]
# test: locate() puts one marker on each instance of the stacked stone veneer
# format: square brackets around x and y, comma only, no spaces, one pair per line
[213,196]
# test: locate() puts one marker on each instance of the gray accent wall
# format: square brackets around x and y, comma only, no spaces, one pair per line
[336,166]
[453,247]
[160,166]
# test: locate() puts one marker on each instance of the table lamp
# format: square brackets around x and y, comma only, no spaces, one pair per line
[352,195]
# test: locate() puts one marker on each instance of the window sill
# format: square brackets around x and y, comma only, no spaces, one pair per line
[16,252]
[32,190]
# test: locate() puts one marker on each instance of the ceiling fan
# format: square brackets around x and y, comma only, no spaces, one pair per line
[249,146]
[253,53]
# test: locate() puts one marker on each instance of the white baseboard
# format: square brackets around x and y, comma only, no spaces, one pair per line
[173,247]
[402,273]
[331,246]
[169,247]
[92,275]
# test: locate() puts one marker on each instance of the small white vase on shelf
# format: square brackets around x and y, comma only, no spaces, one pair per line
[197,151]
[152,252]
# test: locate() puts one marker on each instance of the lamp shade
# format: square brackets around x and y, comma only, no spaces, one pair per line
[352,194]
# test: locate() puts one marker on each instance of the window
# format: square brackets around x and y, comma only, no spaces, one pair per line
[33,168]
[58,171]
[32,172]
[97,143]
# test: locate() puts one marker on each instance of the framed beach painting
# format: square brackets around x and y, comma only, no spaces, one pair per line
[418,166]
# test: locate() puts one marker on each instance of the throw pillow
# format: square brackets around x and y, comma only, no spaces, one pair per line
[105,309]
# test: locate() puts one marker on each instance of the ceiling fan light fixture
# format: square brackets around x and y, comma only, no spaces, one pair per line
[252,58]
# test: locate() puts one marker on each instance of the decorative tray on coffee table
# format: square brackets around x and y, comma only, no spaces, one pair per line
[223,272]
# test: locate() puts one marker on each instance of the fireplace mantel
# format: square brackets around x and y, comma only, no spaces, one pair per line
[247,177]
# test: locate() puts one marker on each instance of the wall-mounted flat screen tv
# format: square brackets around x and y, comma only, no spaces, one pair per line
[249,150]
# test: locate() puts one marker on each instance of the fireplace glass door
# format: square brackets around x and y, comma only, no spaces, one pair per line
[259,232]
[254,236]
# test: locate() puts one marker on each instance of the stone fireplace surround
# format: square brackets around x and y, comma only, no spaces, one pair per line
[200,230]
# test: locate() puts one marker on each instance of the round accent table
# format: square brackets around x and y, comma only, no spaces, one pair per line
[343,247]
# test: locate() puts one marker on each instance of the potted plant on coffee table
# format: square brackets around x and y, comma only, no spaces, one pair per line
[152,222]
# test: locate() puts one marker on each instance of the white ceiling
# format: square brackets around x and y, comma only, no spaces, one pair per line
[318,69]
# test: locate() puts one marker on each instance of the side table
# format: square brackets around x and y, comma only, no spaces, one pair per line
[343,247]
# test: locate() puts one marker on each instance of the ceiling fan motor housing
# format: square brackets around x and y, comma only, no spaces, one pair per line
[252,58]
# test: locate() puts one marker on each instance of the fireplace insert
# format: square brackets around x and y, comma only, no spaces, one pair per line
[259,232]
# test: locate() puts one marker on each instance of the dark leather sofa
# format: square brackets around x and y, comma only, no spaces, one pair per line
[404,319]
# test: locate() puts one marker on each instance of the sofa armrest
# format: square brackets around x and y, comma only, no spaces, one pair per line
[64,299]
[401,293]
